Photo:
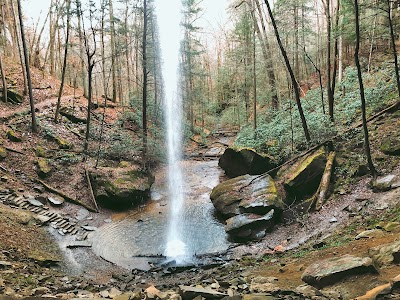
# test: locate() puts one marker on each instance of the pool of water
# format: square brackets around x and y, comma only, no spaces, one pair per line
[133,237]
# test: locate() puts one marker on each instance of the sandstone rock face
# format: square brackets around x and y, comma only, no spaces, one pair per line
[120,187]
[246,194]
[251,204]
[237,162]
[304,177]
[331,270]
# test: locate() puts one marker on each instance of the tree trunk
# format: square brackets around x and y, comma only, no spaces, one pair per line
[292,77]
[329,91]
[144,61]
[28,73]
[3,79]
[113,63]
[21,58]
[65,61]
[360,81]
[393,41]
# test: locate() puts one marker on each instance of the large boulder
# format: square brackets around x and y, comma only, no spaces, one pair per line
[303,178]
[120,187]
[391,145]
[43,167]
[237,162]
[250,226]
[331,270]
[252,204]
[247,194]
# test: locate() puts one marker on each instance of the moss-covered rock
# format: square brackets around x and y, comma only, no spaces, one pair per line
[3,153]
[391,145]
[13,137]
[14,97]
[247,194]
[40,152]
[63,144]
[303,177]
[237,162]
[121,187]
[43,167]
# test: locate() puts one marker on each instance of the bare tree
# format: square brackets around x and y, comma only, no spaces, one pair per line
[65,61]
[28,72]
[290,70]
[362,95]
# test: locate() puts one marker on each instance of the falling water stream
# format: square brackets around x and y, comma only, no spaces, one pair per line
[178,222]
[170,37]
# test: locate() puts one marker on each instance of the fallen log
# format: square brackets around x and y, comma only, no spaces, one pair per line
[319,198]
[91,189]
[13,150]
[67,198]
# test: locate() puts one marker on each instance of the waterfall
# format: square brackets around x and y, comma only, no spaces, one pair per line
[169,18]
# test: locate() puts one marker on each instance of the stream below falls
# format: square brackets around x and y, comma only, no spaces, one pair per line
[134,237]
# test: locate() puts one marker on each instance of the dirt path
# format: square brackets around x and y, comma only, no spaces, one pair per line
[25,107]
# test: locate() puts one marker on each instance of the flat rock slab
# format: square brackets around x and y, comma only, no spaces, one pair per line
[35,202]
[55,201]
[386,254]
[331,270]
[78,244]
[189,292]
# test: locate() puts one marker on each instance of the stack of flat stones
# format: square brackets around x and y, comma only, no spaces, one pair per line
[64,225]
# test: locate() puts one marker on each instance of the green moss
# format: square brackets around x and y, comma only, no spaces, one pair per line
[391,145]
[3,153]
[320,153]
[63,144]
[13,137]
[124,164]
[44,167]
[40,151]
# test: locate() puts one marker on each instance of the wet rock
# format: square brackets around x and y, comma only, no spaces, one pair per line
[79,244]
[13,137]
[386,254]
[391,145]
[304,177]
[383,184]
[237,162]
[189,292]
[261,284]
[247,194]
[43,167]
[250,226]
[373,233]
[331,270]
[121,187]
[375,292]
[3,153]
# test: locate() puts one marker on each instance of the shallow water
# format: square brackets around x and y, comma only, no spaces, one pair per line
[143,232]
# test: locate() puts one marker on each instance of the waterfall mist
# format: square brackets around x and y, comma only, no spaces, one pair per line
[169,18]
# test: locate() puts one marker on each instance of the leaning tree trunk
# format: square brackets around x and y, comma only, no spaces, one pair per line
[3,78]
[290,70]
[113,62]
[65,61]
[360,80]
[28,72]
